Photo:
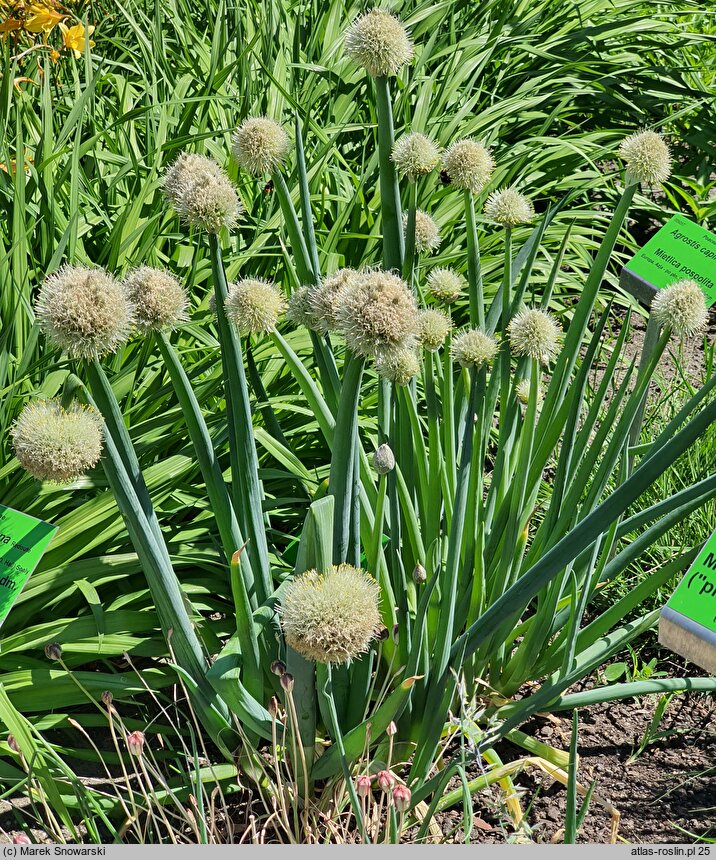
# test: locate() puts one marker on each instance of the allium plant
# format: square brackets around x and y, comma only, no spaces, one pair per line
[453,570]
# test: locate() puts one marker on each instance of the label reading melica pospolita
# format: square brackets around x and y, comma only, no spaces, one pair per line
[23,539]
[680,251]
[695,596]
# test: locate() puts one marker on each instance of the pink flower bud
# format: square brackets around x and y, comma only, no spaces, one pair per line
[13,744]
[21,839]
[363,784]
[386,780]
[401,798]
[135,742]
[392,729]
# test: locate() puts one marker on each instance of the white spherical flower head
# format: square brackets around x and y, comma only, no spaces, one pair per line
[434,327]
[535,333]
[474,348]
[210,203]
[377,313]
[509,208]
[253,306]
[415,155]
[188,168]
[159,298]
[331,617]
[298,308]
[647,158]
[427,232]
[681,307]
[446,285]
[398,365]
[522,392]
[261,145]
[325,300]
[469,165]
[85,311]
[58,445]
[379,43]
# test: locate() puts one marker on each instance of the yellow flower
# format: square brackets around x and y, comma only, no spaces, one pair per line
[75,39]
[42,18]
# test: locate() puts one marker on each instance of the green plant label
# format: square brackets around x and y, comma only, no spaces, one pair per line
[680,251]
[695,596]
[23,539]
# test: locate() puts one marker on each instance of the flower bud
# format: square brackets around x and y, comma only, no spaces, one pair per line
[509,208]
[386,780]
[21,839]
[287,682]
[391,729]
[420,575]
[401,798]
[383,634]
[13,744]
[107,698]
[53,651]
[396,633]
[260,145]
[647,158]
[135,743]
[415,155]
[378,42]
[278,667]
[469,165]
[363,786]
[383,459]
[522,392]
[681,307]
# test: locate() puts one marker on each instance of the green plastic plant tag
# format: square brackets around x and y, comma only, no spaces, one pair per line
[23,539]
[680,251]
[695,596]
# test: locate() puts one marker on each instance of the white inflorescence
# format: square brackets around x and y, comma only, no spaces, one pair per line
[469,165]
[378,42]
[474,348]
[446,285]
[261,145]
[647,157]
[509,208]
[253,305]
[681,307]
[535,333]
[415,155]
[159,299]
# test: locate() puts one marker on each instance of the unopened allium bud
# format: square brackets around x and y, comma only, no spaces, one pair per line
[522,392]
[273,706]
[398,365]
[278,667]
[363,785]
[386,780]
[474,348]
[377,313]
[420,575]
[508,207]
[647,158]
[84,311]
[383,633]
[325,300]
[681,307]
[391,729]
[56,444]
[396,633]
[135,743]
[53,651]
[107,698]
[260,145]
[210,203]
[188,168]
[287,682]
[535,333]
[401,798]
[21,839]
[378,42]
[13,744]
[298,308]
[331,617]
[415,155]
[384,459]
[446,285]
[159,299]
[434,327]
[253,305]
[427,232]
[469,165]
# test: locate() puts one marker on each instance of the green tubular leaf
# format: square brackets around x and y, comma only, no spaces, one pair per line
[306,213]
[616,692]
[301,256]
[474,270]
[391,214]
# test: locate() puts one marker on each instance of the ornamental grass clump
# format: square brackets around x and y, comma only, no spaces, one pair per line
[681,308]
[57,444]
[331,617]
[85,311]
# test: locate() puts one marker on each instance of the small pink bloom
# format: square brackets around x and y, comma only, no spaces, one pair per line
[363,784]
[401,798]
[21,839]
[386,780]
[392,728]
[135,742]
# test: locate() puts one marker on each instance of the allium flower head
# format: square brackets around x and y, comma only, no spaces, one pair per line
[378,42]
[209,203]
[56,444]
[415,155]
[398,365]
[377,313]
[682,307]
[474,348]
[188,168]
[85,311]
[260,145]
[384,459]
[402,797]
[331,617]
[535,333]
[469,165]
[522,392]
[508,207]
[647,157]
[433,327]
[325,299]
[298,309]
[135,743]
[446,285]
[427,232]
[253,305]
[159,299]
